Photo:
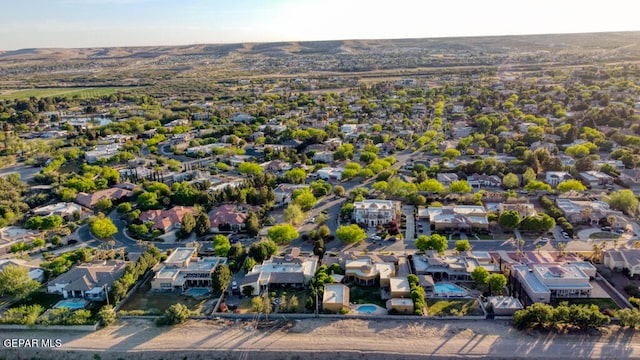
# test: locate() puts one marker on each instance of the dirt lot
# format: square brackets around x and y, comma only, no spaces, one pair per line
[327,339]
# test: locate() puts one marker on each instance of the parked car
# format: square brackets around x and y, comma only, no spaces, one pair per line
[544,240]
[234,285]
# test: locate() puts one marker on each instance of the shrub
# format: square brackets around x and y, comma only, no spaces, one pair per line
[344,310]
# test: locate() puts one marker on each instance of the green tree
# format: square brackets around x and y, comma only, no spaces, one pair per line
[262,250]
[435,242]
[304,198]
[222,245]
[15,282]
[535,185]
[124,208]
[528,176]
[460,186]
[250,168]
[568,185]
[148,200]
[497,282]
[431,185]
[324,231]
[282,234]
[107,315]
[509,219]
[624,200]
[252,225]
[187,225]
[220,278]
[176,314]
[350,234]
[202,223]
[104,204]
[463,245]
[319,248]
[510,181]
[248,265]
[338,190]
[102,226]
[296,176]
[293,214]
[480,275]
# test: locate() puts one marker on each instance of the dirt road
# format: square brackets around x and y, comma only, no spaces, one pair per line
[327,339]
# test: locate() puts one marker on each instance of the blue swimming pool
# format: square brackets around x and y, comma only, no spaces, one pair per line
[196,292]
[447,289]
[366,309]
[73,304]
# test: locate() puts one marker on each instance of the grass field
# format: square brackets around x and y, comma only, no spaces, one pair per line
[80,93]
[462,307]
[604,236]
[366,295]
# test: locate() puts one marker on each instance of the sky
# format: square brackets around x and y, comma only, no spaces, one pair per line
[99,23]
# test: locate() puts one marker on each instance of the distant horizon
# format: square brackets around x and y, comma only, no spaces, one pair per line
[318,40]
[77,24]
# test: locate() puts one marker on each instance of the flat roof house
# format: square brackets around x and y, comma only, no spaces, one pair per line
[546,282]
[452,267]
[400,306]
[183,270]
[335,297]
[457,217]
[295,269]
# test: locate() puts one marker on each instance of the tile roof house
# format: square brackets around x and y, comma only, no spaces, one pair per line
[166,220]
[90,200]
[88,281]
[623,259]
[228,217]
[35,272]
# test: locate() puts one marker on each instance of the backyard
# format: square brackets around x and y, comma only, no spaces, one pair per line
[245,305]
[462,307]
[365,295]
[157,302]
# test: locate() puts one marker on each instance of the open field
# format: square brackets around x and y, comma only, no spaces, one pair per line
[462,307]
[80,93]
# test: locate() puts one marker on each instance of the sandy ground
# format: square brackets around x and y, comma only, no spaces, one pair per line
[326,339]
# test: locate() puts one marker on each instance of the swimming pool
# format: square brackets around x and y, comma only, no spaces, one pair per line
[196,292]
[366,309]
[73,304]
[447,289]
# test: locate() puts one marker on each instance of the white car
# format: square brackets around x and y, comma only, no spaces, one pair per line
[376,237]
[234,285]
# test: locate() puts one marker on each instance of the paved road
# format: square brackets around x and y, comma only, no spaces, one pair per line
[26,172]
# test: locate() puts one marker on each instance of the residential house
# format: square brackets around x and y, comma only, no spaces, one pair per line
[349,128]
[369,271]
[114,193]
[376,212]
[584,211]
[523,209]
[10,235]
[276,166]
[90,281]
[228,217]
[399,287]
[546,282]
[623,259]
[294,269]
[596,179]
[330,173]
[630,177]
[166,220]
[554,178]
[284,192]
[183,269]
[102,152]
[447,178]
[35,272]
[335,297]
[63,209]
[504,305]
[400,306]
[242,117]
[456,217]
[323,157]
[477,180]
[451,266]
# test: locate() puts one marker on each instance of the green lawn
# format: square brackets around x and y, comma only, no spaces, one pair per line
[45,299]
[603,303]
[80,93]
[605,235]
[462,307]
[158,302]
[365,295]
